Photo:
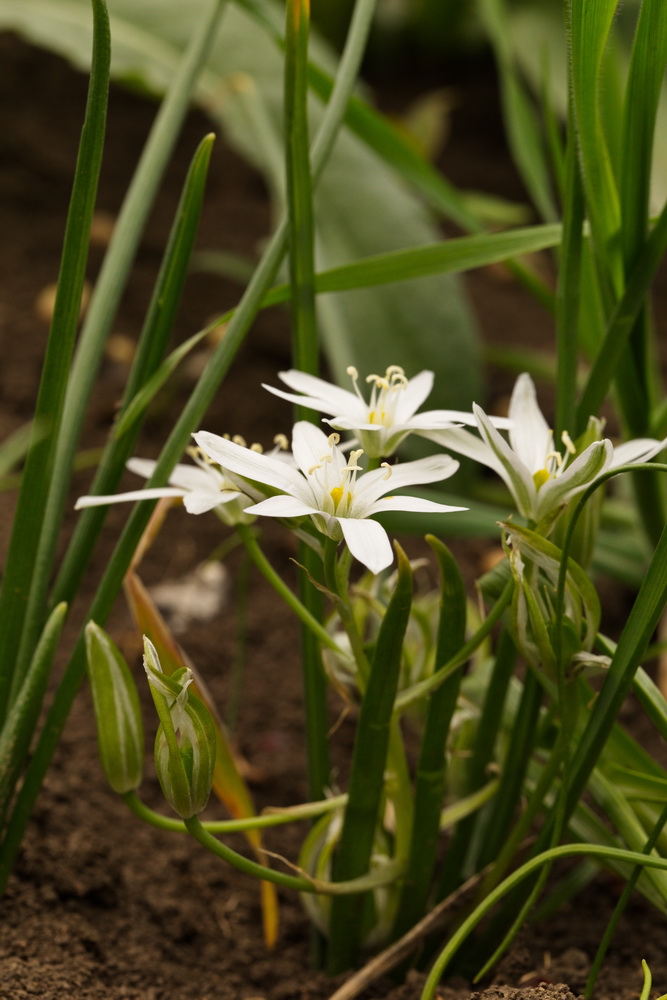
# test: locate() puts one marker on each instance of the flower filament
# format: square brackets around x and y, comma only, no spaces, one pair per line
[385,394]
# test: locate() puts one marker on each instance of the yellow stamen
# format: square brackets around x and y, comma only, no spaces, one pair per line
[281,441]
[237,439]
[387,466]
[568,442]
[541,477]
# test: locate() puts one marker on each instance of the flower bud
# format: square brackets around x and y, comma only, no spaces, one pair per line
[535,565]
[185,743]
[120,733]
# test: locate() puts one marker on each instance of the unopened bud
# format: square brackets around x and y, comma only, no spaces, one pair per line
[120,734]
[185,743]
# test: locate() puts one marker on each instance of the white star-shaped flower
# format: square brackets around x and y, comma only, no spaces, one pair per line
[327,487]
[540,477]
[382,422]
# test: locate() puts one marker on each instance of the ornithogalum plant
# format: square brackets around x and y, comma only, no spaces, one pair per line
[478,729]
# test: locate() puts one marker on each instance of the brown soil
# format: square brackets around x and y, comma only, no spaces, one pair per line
[100,906]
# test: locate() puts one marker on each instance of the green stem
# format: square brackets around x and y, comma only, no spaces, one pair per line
[513,880]
[289,597]
[294,814]
[304,883]
[620,906]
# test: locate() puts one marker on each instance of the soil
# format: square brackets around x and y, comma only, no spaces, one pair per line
[102,907]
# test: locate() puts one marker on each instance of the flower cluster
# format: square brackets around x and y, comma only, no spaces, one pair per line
[340,491]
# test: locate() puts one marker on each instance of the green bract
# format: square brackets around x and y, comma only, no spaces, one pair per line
[120,733]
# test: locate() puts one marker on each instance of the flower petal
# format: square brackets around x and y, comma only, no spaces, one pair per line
[639,450]
[318,394]
[450,418]
[517,476]
[186,477]
[413,395]
[282,506]
[309,445]
[368,542]
[153,493]
[200,501]
[530,435]
[416,504]
[250,464]
[464,443]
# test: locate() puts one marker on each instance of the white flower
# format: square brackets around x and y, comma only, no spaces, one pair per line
[329,490]
[203,487]
[389,415]
[540,477]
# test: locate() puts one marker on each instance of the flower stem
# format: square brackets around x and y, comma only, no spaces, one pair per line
[268,572]
[301,883]
[293,815]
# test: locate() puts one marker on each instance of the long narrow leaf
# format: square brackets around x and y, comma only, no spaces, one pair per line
[367,770]
[19,726]
[520,118]
[154,335]
[25,560]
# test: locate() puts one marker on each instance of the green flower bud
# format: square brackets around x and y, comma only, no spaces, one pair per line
[535,565]
[120,734]
[185,743]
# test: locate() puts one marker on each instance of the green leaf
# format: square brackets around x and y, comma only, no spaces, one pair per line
[19,726]
[520,119]
[28,564]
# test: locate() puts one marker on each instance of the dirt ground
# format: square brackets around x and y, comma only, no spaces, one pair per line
[102,907]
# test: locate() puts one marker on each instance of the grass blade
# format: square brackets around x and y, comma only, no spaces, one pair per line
[19,726]
[305,357]
[154,335]
[430,774]
[23,564]
[368,765]
[519,114]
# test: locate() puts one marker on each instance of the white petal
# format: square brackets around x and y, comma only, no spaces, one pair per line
[517,476]
[368,542]
[250,464]
[323,395]
[639,450]
[464,443]
[142,466]
[151,494]
[530,435]
[200,501]
[416,504]
[283,506]
[413,395]
[309,444]
[435,419]
[375,484]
